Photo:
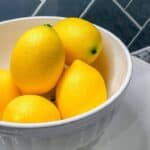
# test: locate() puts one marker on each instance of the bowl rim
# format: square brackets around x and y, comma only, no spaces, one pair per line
[86,114]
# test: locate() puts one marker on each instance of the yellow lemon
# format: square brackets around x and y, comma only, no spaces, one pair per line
[8,90]
[30,109]
[81,39]
[37,60]
[80,89]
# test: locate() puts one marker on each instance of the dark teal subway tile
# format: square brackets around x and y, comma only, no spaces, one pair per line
[140,10]
[142,40]
[123,3]
[65,8]
[17,8]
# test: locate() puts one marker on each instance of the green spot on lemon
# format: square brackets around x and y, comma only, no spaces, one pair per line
[94,50]
[48,25]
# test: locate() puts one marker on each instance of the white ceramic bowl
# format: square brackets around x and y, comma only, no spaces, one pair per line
[77,133]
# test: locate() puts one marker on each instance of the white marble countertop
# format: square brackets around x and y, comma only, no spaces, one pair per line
[130,128]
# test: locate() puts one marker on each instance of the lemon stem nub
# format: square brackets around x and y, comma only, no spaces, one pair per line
[94,50]
[48,25]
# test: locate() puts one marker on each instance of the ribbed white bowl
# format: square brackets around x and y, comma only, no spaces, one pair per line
[77,133]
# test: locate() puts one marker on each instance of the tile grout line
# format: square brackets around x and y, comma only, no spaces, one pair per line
[127,14]
[87,8]
[129,3]
[134,38]
[38,7]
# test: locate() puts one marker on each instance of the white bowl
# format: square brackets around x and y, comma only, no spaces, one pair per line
[76,133]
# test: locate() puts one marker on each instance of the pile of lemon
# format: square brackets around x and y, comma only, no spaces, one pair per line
[50,76]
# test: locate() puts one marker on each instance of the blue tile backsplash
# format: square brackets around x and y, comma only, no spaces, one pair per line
[17,8]
[143,38]
[65,8]
[140,10]
[128,19]
[108,15]
[124,3]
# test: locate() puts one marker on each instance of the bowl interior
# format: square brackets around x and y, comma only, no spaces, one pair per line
[112,63]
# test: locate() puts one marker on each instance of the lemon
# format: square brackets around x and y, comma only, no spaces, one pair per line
[80,89]
[30,109]
[8,89]
[81,39]
[37,60]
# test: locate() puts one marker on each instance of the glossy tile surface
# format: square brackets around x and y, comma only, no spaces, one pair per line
[17,8]
[63,7]
[140,10]
[143,39]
